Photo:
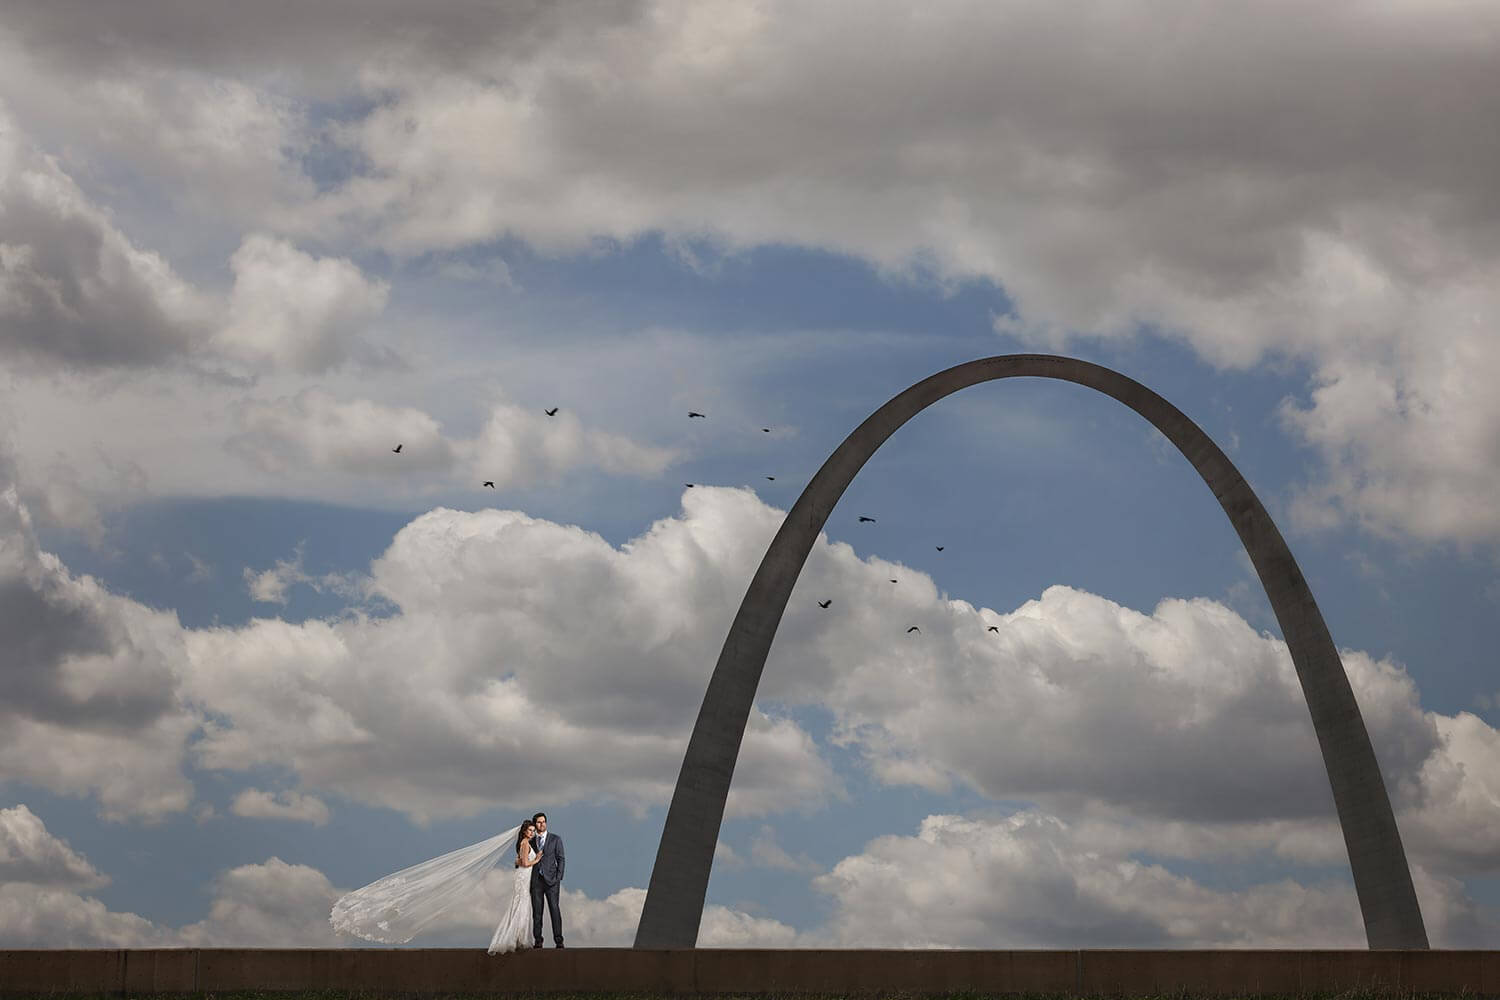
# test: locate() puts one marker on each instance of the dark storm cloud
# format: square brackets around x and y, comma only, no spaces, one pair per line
[40,633]
[73,289]
[316,42]
[88,680]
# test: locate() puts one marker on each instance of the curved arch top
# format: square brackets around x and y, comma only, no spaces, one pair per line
[679,880]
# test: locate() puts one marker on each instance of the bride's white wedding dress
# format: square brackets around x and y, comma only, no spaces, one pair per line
[514,931]
[398,907]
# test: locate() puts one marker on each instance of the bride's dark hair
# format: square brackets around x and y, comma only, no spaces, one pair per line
[521,835]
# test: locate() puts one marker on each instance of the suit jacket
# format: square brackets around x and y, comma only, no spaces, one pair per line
[550,869]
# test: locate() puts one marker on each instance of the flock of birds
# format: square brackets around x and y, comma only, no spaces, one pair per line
[694,414]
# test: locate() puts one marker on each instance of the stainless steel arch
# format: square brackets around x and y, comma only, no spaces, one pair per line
[679,879]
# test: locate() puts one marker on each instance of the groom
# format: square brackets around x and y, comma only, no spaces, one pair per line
[546,881]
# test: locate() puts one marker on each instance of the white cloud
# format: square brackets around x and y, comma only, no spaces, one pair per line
[574,667]
[1076,703]
[88,446]
[193,142]
[39,904]
[28,853]
[90,691]
[767,852]
[287,805]
[518,445]
[202,571]
[269,905]
[316,432]
[277,904]
[74,290]
[74,499]
[1408,429]
[611,923]
[291,311]
[597,709]
[1453,826]
[280,905]
[77,293]
[1251,213]
[1073,696]
[110,692]
[270,586]
[42,917]
[1131,725]
[1027,882]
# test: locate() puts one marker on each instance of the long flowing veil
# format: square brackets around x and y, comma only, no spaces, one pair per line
[392,910]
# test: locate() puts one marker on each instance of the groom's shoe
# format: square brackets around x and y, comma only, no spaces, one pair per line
[559,944]
[537,944]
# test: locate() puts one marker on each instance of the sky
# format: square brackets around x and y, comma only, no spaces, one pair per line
[253,658]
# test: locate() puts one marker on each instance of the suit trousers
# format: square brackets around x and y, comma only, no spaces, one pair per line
[539,891]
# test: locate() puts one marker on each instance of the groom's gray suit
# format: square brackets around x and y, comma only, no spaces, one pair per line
[546,878]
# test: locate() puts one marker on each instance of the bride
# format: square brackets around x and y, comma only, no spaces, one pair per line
[514,931]
[394,909]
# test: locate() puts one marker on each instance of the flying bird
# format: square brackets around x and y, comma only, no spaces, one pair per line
[692,414]
[397,449]
[765,430]
[912,629]
[688,485]
[488,482]
[824,604]
[893,581]
[771,478]
[552,412]
[870,519]
[939,548]
[994,628]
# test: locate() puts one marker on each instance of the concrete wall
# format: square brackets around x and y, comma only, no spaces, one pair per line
[707,970]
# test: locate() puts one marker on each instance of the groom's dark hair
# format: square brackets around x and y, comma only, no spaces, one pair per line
[538,816]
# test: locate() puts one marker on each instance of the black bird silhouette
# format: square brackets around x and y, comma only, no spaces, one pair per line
[397,449]
[893,581]
[688,485]
[939,548]
[552,412]
[771,478]
[824,604]
[488,482]
[994,628]
[912,629]
[870,519]
[766,430]
[692,414]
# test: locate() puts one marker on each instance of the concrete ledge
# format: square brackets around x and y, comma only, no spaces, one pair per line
[710,971]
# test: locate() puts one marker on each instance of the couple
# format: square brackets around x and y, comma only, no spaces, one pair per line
[395,909]
[539,874]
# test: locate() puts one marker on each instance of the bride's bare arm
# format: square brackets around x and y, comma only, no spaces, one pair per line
[521,861]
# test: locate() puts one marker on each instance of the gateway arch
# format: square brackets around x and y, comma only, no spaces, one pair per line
[679,879]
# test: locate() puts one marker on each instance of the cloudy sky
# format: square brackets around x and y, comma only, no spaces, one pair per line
[252,658]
